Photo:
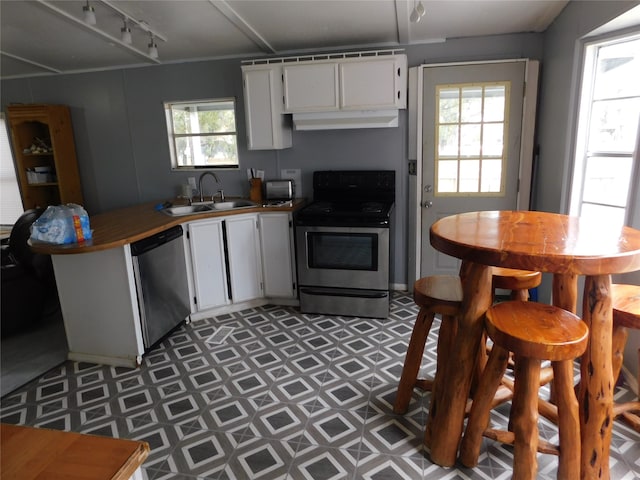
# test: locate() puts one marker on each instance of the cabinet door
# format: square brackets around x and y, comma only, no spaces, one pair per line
[311,87]
[267,127]
[243,249]
[368,84]
[277,257]
[207,257]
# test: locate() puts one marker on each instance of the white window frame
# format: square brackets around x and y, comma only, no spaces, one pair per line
[195,135]
[581,154]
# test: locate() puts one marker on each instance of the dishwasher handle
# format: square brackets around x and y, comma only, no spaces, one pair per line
[154,241]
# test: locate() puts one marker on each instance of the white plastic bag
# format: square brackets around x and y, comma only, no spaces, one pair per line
[62,224]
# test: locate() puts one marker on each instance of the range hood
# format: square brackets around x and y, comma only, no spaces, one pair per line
[346,119]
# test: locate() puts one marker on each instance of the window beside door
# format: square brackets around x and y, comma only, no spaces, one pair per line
[607,131]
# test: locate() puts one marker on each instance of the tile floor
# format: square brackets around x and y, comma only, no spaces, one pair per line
[285,396]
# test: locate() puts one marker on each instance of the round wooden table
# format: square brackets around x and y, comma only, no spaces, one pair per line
[565,246]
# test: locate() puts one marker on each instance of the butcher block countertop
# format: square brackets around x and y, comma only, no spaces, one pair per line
[39,453]
[126,225]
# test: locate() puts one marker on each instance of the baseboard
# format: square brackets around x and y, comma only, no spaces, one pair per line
[400,287]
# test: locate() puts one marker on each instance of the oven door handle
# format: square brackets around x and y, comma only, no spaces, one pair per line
[353,294]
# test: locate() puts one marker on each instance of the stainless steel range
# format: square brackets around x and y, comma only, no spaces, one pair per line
[342,242]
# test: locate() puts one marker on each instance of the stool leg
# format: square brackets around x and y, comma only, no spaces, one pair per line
[413,360]
[481,406]
[568,421]
[446,337]
[618,341]
[525,418]
[522,294]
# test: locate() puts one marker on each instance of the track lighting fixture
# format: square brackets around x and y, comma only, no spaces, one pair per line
[89,14]
[125,35]
[153,48]
[417,13]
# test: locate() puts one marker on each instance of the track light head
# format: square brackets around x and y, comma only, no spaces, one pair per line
[153,48]
[125,33]
[417,13]
[89,14]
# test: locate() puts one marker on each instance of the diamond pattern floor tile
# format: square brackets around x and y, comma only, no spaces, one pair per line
[286,396]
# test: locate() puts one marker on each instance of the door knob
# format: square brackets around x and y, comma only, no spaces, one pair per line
[427,204]
[428,188]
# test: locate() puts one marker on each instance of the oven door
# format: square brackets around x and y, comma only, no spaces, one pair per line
[343,257]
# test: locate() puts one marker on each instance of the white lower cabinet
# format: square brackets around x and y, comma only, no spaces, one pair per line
[208,261]
[243,249]
[278,268]
[242,258]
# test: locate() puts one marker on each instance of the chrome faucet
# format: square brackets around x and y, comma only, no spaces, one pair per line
[200,184]
[221,193]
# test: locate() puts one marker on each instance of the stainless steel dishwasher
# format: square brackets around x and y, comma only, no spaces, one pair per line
[160,271]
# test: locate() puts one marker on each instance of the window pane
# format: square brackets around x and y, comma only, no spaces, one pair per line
[491,176]
[471,104]
[609,216]
[492,139]
[202,133]
[494,103]
[447,176]
[607,180]
[618,70]
[614,124]
[470,140]
[449,104]
[469,175]
[448,141]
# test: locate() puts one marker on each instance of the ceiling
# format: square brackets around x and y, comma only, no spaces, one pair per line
[48,37]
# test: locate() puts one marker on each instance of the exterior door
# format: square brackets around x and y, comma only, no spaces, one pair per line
[471,134]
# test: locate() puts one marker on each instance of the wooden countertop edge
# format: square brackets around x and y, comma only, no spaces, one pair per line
[120,227]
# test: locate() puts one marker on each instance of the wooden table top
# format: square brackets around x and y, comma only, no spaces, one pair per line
[38,453]
[130,224]
[539,241]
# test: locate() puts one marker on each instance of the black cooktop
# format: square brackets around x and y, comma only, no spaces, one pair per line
[350,198]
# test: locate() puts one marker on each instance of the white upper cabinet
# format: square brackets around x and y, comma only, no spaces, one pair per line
[267,128]
[362,83]
[311,87]
[379,83]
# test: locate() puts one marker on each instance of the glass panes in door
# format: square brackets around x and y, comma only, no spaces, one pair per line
[470,149]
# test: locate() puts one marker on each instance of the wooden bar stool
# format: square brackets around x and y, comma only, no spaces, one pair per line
[442,294]
[533,332]
[519,282]
[437,294]
[626,314]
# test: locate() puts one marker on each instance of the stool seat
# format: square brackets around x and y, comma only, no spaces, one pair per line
[512,279]
[533,332]
[626,305]
[626,314]
[536,330]
[445,290]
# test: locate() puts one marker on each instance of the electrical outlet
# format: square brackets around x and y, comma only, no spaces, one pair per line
[192,182]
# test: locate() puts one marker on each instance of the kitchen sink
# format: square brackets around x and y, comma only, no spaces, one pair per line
[232,205]
[180,210]
[187,210]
